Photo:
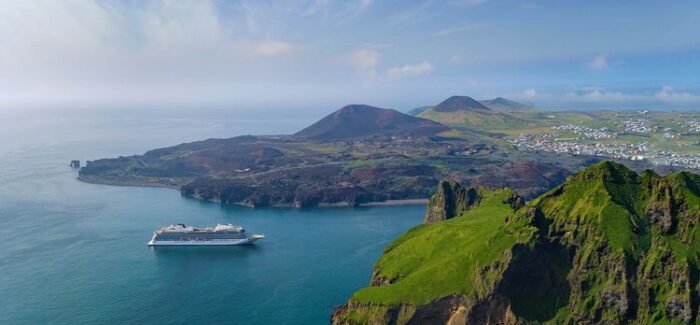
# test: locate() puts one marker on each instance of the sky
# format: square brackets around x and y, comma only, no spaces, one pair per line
[323,54]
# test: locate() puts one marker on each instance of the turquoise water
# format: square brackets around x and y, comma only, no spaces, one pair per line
[75,253]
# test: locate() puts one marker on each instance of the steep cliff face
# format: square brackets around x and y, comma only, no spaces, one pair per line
[608,246]
[452,199]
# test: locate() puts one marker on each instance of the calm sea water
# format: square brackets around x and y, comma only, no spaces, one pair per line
[75,253]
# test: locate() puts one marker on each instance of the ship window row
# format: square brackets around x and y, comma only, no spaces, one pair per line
[224,236]
[192,238]
[203,234]
[203,237]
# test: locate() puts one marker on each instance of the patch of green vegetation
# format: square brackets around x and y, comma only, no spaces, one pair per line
[484,121]
[366,163]
[603,196]
[326,148]
[454,133]
[437,260]
[374,314]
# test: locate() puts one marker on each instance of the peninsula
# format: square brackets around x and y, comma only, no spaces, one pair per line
[358,154]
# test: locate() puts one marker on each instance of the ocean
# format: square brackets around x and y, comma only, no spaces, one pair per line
[75,253]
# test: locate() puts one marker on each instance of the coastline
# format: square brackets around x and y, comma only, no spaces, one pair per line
[395,203]
[126,183]
[175,186]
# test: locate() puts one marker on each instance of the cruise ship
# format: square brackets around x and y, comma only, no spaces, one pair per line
[181,235]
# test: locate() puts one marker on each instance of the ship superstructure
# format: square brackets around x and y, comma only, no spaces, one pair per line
[221,234]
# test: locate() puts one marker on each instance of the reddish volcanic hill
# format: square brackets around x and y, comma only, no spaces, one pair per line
[357,121]
[460,103]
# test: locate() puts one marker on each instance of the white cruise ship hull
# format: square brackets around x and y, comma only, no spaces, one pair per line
[223,242]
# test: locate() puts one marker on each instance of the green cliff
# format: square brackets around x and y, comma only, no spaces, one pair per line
[608,246]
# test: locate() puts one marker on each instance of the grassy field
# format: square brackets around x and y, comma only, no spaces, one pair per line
[448,252]
[668,130]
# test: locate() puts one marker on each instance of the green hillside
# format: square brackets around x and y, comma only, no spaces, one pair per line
[479,120]
[607,246]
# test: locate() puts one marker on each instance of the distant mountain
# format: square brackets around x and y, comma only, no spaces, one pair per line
[460,103]
[357,121]
[467,113]
[418,110]
[505,105]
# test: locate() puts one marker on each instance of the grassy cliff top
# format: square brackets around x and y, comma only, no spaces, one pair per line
[431,260]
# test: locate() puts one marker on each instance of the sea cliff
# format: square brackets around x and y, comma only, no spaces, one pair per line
[608,246]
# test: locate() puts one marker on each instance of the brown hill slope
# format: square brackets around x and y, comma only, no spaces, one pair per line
[460,103]
[358,121]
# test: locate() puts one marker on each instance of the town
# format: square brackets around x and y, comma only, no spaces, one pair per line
[579,140]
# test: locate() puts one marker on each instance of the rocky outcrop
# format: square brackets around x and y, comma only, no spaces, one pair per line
[450,200]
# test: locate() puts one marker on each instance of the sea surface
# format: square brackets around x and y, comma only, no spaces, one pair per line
[75,253]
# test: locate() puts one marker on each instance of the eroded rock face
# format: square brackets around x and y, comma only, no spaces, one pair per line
[494,311]
[450,200]
[454,310]
[661,210]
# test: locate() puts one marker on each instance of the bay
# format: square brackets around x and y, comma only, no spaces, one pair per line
[75,253]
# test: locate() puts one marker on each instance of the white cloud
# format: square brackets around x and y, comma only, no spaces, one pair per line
[530,6]
[595,96]
[415,14]
[599,62]
[419,69]
[456,59]
[468,3]
[365,60]
[274,48]
[667,95]
[456,29]
[602,96]
[529,93]
[74,50]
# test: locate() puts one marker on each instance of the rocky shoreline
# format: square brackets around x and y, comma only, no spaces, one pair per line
[341,204]
[126,182]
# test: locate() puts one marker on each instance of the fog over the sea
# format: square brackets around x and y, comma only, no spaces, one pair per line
[321,54]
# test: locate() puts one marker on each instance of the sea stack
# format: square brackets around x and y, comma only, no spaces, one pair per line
[75,164]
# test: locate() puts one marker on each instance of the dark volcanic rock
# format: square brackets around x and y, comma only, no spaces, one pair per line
[450,200]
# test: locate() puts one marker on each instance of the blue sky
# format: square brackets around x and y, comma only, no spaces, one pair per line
[325,53]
